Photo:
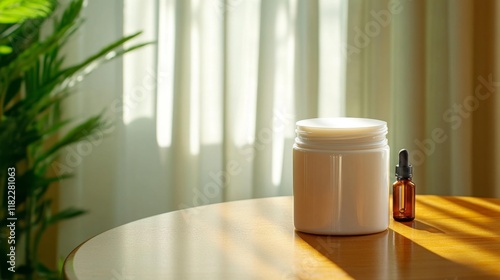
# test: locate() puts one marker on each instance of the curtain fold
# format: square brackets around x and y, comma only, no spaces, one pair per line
[482,104]
[461,61]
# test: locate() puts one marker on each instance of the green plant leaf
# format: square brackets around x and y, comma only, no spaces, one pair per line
[15,136]
[54,128]
[45,183]
[33,82]
[32,54]
[14,11]
[13,89]
[42,210]
[4,49]
[70,75]
[43,270]
[65,214]
[46,273]
[20,36]
[77,134]
[27,180]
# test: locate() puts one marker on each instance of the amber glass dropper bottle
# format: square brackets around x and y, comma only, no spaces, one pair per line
[403,190]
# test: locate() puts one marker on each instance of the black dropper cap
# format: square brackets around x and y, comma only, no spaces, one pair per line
[404,170]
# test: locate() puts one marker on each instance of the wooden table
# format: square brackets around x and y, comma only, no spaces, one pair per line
[451,238]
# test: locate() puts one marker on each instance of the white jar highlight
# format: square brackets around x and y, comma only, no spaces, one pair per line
[341,176]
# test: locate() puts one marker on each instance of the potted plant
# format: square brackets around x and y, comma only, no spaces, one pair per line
[33,82]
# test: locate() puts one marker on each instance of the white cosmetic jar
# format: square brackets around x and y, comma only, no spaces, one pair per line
[341,176]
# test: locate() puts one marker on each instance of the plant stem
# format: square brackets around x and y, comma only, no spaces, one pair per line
[4,84]
[3,92]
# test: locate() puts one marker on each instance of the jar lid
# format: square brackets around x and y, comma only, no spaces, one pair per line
[341,128]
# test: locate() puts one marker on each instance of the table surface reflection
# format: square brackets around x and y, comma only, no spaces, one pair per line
[451,238]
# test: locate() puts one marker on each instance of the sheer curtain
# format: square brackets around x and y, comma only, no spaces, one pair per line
[207,113]
[431,69]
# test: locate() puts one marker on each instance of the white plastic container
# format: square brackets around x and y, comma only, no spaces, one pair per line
[341,176]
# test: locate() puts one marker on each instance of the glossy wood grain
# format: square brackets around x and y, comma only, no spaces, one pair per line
[451,238]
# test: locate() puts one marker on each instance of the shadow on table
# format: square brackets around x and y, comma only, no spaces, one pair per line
[419,225]
[387,255]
